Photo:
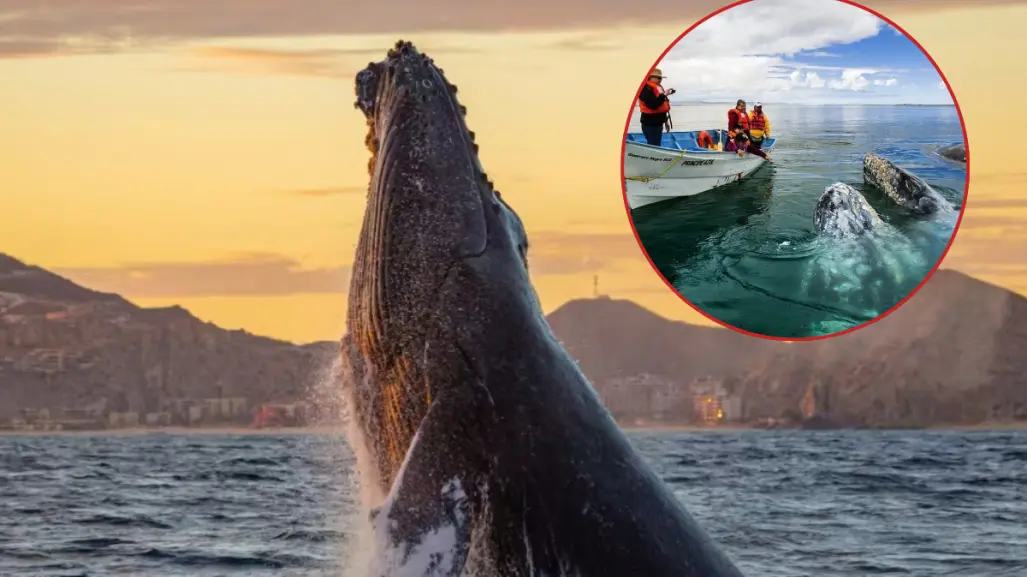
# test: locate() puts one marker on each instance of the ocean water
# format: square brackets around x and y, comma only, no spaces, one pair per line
[747,253]
[781,503]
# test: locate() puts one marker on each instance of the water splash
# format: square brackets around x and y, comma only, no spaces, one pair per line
[332,389]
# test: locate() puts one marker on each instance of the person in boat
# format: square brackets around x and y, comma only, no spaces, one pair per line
[737,120]
[759,126]
[740,144]
[736,144]
[654,104]
[704,140]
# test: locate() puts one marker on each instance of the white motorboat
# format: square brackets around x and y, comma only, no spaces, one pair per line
[680,167]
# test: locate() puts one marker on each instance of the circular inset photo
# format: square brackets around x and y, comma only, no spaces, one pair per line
[795,169]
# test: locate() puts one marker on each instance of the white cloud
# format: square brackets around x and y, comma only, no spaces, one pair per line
[852,79]
[799,79]
[941,85]
[778,27]
[750,51]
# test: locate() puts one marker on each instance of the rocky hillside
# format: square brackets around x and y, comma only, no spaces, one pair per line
[614,338]
[953,355]
[62,345]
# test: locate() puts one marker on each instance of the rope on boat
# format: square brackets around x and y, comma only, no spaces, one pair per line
[670,165]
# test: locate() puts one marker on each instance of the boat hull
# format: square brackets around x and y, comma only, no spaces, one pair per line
[653,174]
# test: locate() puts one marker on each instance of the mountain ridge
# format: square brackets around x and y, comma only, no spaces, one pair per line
[63,345]
[951,354]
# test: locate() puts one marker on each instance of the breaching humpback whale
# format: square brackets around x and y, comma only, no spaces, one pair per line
[496,454]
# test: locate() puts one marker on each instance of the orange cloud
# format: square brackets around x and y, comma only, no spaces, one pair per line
[559,253]
[248,275]
[275,62]
[318,62]
[110,24]
[328,191]
[591,43]
[551,253]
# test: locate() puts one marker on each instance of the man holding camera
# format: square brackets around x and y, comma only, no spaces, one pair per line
[654,104]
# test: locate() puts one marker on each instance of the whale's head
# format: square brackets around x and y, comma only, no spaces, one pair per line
[843,212]
[903,187]
[441,262]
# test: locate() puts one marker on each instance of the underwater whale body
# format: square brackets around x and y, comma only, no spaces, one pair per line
[493,453]
[901,186]
[843,212]
[862,262]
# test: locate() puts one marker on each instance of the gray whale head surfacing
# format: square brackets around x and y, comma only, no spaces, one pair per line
[843,212]
[495,453]
[903,187]
[955,152]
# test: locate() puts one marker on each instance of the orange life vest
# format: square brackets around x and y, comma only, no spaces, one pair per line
[736,118]
[704,140]
[657,90]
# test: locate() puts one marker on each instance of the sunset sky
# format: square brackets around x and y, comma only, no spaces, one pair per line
[208,153]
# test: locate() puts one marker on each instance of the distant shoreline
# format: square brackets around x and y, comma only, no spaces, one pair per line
[142,431]
[339,431]
[1010,426]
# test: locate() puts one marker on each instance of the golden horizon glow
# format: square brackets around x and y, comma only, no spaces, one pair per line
[204,159]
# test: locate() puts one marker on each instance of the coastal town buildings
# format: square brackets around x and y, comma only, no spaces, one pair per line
[651,399]
[230,411]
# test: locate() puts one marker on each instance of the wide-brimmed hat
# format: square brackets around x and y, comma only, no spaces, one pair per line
[657,73]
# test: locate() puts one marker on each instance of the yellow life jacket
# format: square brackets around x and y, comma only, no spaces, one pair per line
[758,124]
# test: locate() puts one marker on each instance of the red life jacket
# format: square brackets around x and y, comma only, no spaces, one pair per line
[704,140]
[735,120]
[657,90]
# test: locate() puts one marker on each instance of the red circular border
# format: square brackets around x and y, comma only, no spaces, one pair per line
[937,265]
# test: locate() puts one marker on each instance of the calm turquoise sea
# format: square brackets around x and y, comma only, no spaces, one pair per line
[748,254]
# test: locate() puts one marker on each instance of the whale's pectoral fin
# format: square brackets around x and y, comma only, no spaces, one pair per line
[424,527]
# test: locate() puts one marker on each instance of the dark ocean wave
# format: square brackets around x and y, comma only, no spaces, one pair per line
[783,503]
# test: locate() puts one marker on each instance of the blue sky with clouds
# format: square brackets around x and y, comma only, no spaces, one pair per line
[801,51]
